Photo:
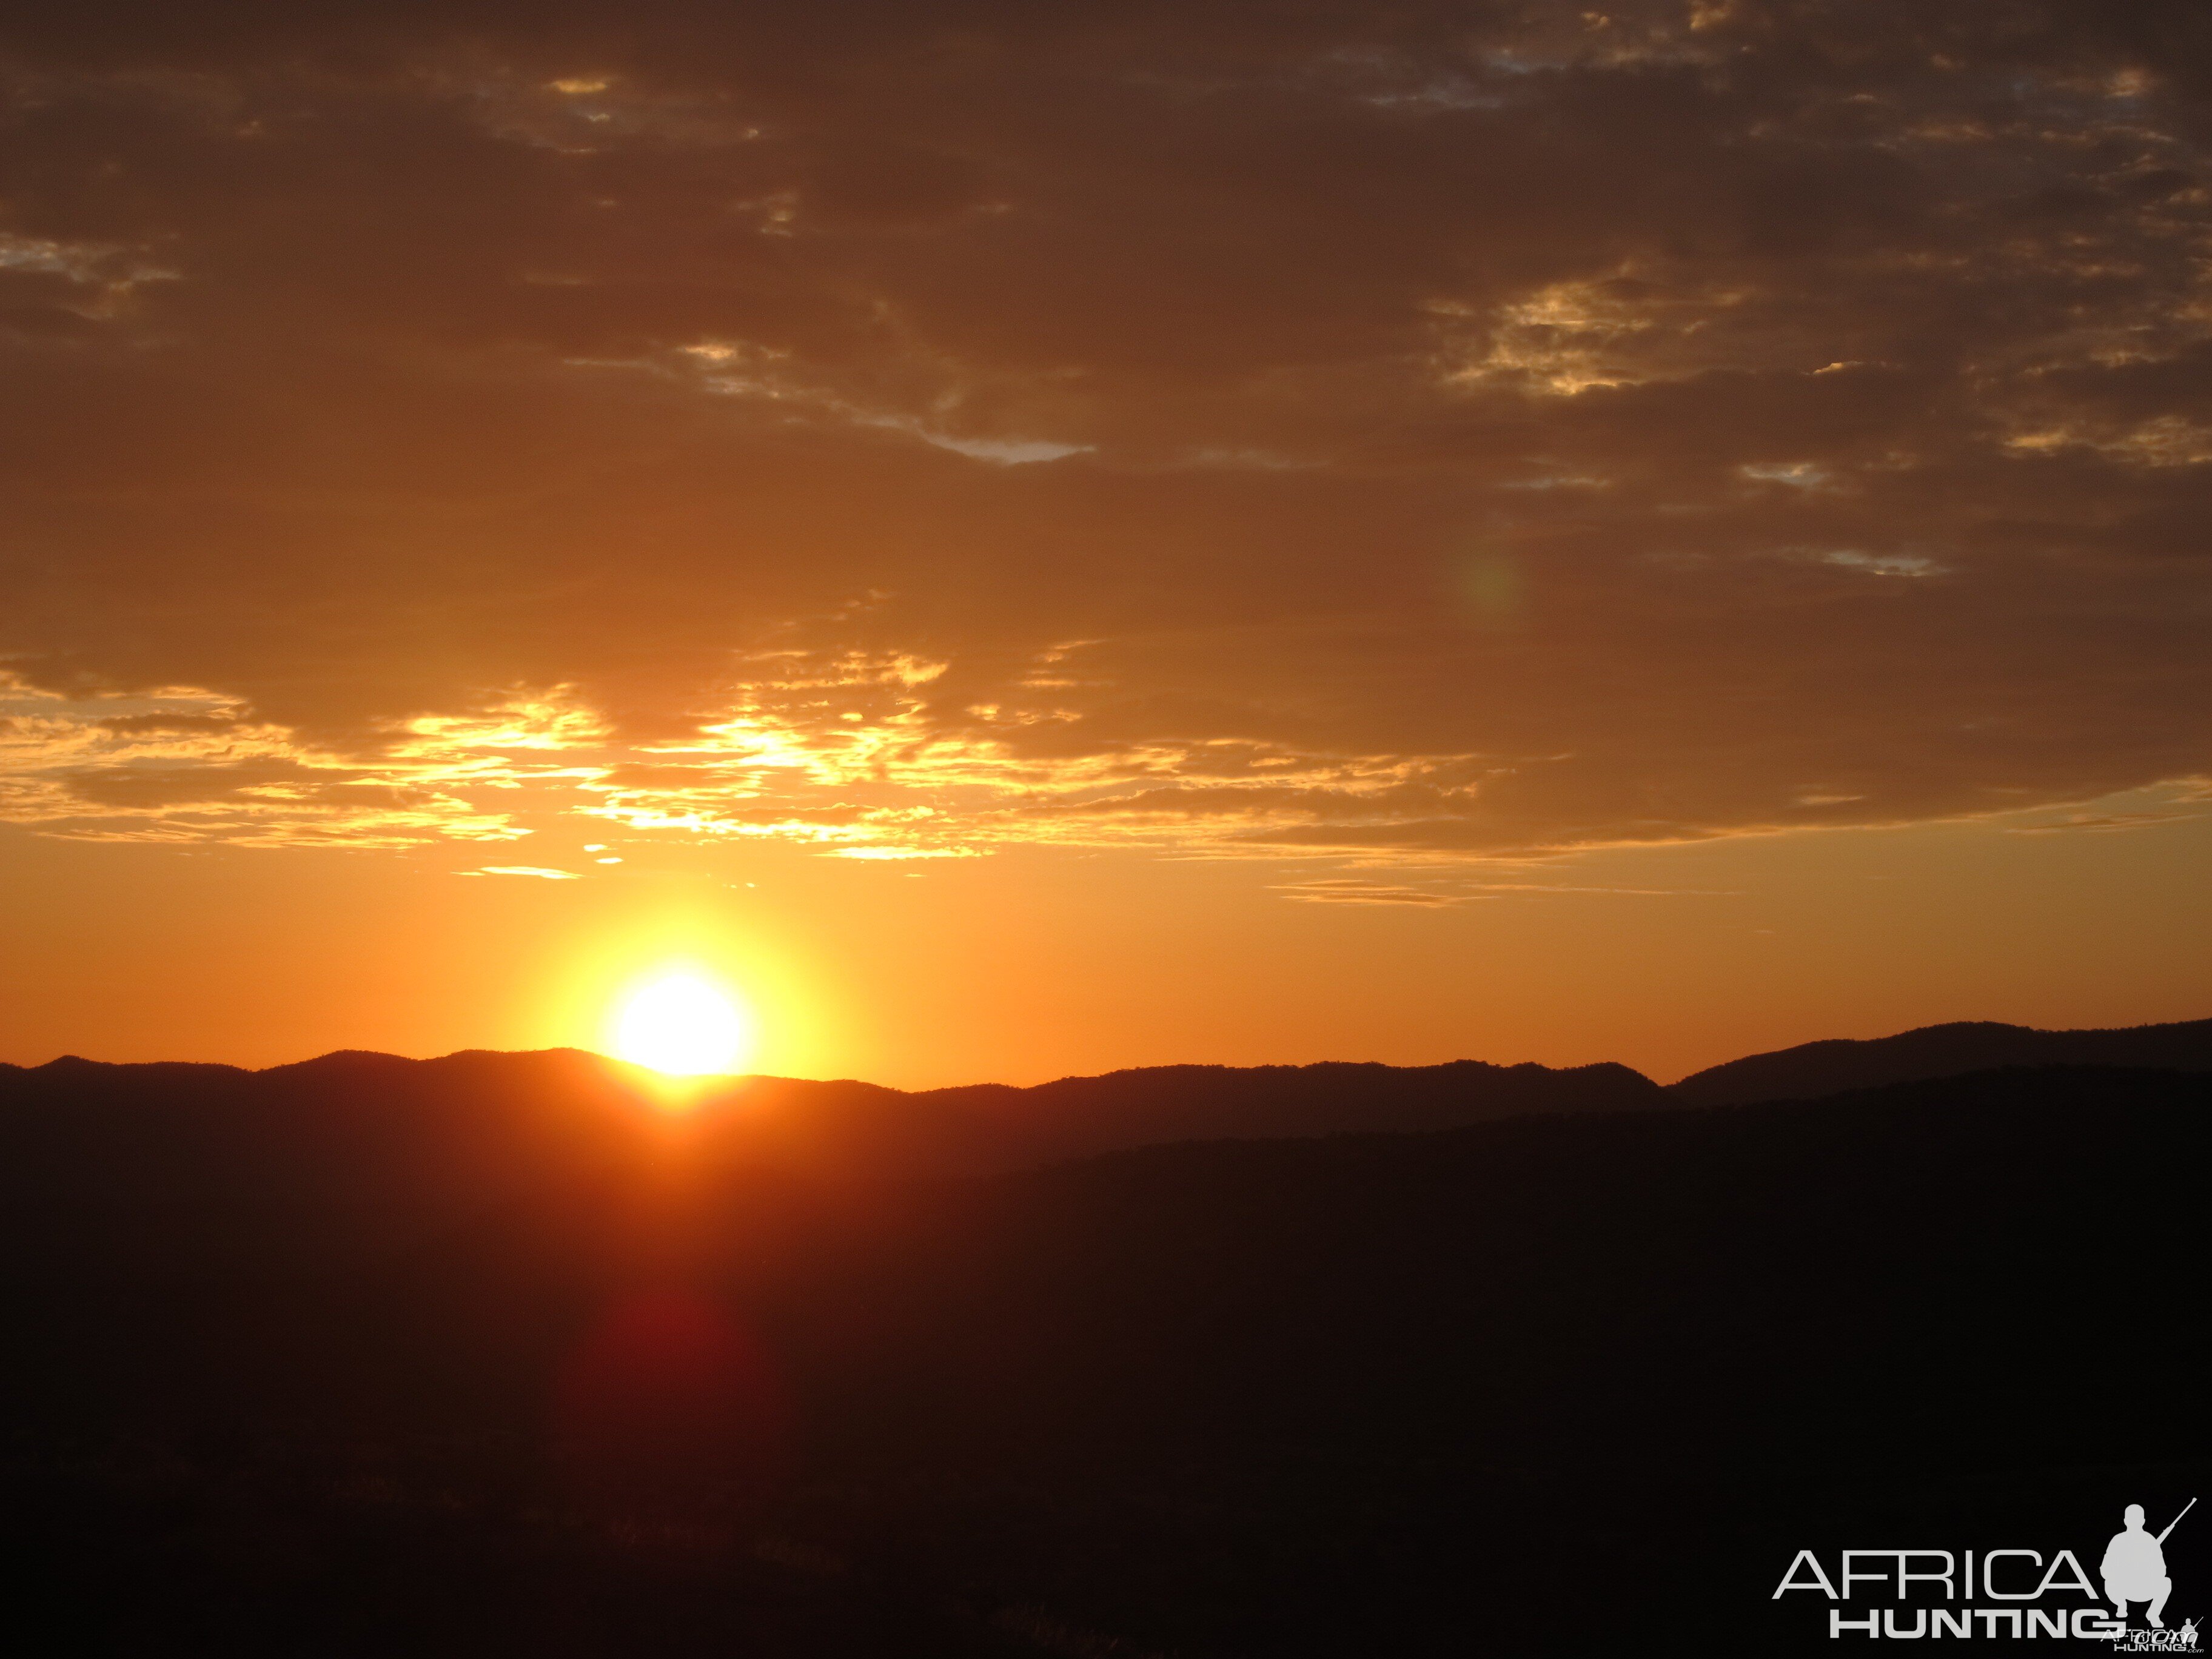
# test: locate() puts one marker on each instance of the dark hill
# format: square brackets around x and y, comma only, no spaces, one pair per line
[1079,1115]
[480,1364]
[347,1114]
[1813,1069]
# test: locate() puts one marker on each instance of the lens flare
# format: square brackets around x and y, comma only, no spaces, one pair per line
[667,1393]
[684,1024]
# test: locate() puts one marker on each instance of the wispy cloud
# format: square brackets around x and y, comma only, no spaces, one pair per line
[1351,891]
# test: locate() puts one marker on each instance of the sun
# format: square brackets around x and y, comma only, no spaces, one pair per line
[684,1024]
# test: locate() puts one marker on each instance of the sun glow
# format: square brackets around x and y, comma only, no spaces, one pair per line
[684,1024]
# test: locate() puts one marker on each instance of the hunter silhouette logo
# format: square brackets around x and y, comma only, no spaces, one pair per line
[2029,1590]
[2135,1566]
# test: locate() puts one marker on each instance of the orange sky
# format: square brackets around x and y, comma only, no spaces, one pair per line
[1045,539]
[1030,965]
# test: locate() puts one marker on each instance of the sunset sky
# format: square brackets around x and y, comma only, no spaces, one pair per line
[1034,538]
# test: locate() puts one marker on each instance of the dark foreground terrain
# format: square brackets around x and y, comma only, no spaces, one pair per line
[519,1365]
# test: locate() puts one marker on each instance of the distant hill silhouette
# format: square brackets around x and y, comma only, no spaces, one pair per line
[1827,1068]
[982,1127]
[1077,1116]
[371,1356]
[361,1106]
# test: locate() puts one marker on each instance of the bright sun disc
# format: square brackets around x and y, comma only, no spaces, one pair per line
[683,1026]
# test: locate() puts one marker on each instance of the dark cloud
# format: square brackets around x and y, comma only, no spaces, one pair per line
[1409,430]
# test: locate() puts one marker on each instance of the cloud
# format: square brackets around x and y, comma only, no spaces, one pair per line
[1450,435]
[1351,891]
[180,764]
[2099,823]
[1878,564]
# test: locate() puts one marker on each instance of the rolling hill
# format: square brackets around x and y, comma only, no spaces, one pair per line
[1827,1067]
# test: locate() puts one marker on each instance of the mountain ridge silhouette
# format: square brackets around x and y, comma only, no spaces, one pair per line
[845,1124]
[1807,1071]
[980,1126]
